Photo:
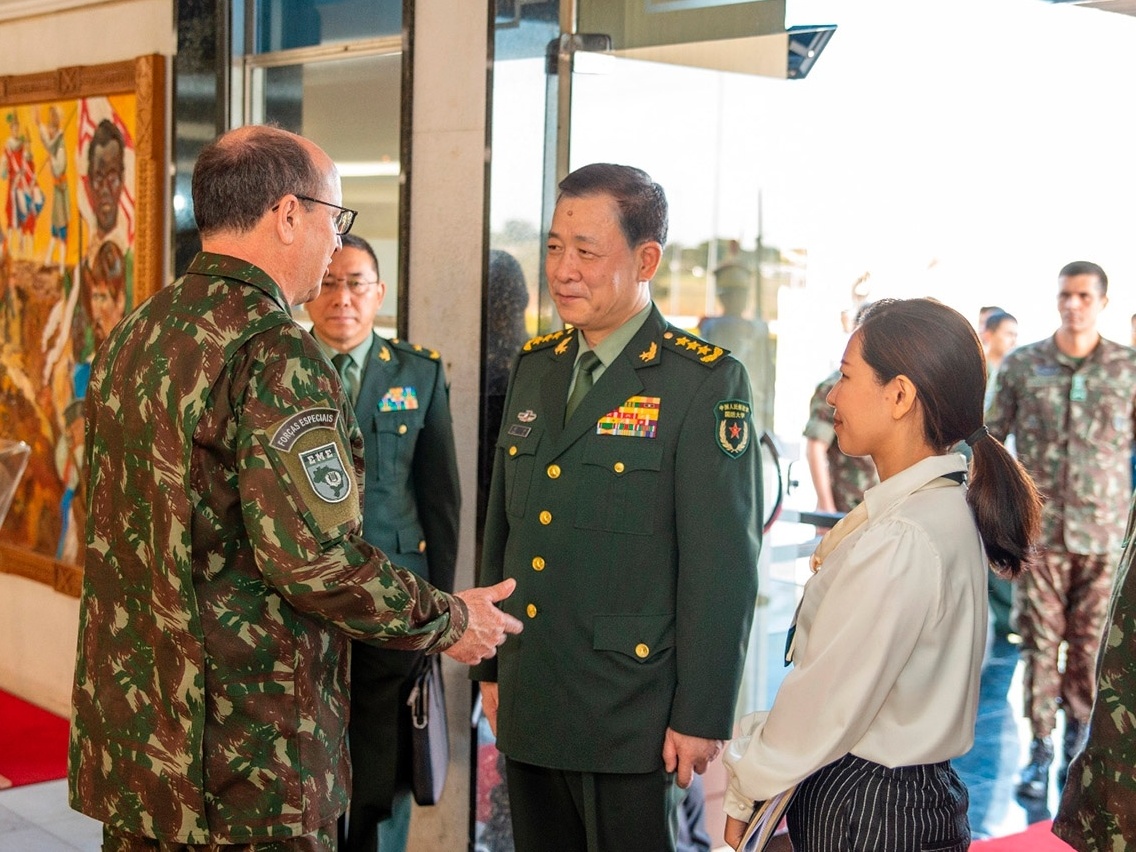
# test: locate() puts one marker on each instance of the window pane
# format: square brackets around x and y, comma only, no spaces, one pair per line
[286,24]
[351,109]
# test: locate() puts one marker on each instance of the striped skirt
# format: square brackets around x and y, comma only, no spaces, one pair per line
[854,805]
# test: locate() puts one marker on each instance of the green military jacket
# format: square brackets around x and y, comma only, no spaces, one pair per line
[412,498]
[633,533]
[225,571]
[1073,426]
[1098,805]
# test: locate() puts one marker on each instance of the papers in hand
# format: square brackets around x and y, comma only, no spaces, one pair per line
[764,821]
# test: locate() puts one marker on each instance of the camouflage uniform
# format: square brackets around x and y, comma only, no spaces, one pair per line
[1072,421]
[851,476]
[225,572]
[1098,806]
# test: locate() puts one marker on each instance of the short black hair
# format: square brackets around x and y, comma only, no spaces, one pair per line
[642,203]
[1085,267]
[996,319]
[356,242]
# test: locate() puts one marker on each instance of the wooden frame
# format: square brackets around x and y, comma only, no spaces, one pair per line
[83,170]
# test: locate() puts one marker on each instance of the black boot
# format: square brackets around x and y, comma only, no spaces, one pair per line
[1035,775]
[1076,735]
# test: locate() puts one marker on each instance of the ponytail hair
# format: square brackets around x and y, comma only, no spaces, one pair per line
[938,350]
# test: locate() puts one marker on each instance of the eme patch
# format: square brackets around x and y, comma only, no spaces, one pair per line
[314,462]
[325,471]
[734,426]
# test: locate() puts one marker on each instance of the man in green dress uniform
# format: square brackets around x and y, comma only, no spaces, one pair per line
[625,503]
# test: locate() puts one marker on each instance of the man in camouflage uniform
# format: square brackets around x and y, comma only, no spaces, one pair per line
[840,481]
[1068,402]
[225,570]
[1098,805]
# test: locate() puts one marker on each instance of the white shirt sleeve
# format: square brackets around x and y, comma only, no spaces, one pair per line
[851,647]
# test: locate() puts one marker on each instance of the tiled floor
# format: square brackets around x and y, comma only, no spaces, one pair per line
[36,818]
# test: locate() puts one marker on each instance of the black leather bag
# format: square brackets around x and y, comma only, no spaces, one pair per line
[430,741]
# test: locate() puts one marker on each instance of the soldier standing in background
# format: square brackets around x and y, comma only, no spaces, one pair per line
[1098,805]
[225,570]
[839,480]
[1068,402]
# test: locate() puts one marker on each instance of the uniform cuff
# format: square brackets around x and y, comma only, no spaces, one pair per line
[459,621]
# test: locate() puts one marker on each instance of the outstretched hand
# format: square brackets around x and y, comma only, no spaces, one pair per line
[488,626]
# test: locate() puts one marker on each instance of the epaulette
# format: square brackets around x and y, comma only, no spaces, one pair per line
[414,348]
[693,347]
[563,337]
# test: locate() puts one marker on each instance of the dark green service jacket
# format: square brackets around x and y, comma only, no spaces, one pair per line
[633,533]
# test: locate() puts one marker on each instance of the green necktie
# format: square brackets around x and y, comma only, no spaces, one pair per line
[588,362]
[342,363]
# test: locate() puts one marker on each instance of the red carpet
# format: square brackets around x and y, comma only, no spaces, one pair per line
[33,743]
[1036,838]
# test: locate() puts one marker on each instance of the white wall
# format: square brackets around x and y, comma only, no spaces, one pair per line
[39,35]
[38,626]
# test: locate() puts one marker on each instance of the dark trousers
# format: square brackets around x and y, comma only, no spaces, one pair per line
[854,805]
[378,736]
[591,811]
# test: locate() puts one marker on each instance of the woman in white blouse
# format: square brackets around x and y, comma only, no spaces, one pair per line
[889,636]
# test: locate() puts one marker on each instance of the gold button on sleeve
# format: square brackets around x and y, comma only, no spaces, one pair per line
[422,546]
[531,610]
[538,563]
[554,471]
[618,467]
[642,651]
[512,451]
[546,517]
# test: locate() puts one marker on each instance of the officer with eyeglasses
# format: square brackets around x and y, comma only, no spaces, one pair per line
[226,569]
[412,500]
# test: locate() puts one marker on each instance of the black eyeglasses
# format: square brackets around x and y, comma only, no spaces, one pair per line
[344,219]
[355,286]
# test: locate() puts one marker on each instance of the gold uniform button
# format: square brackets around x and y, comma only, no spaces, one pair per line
[531,610]
[546,517]
[512,451]
[402,428]
[618,467]
[554,471]
[642,651]
[538,563]
[422,546]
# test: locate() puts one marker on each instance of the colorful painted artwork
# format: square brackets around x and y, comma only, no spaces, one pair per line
[70,236]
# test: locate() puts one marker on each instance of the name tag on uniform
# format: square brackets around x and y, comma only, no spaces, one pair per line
[399,399]
[1078,391]
[636,418]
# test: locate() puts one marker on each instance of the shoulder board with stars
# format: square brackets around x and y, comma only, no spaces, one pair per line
[541,341]
[693,347]
[406,346]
